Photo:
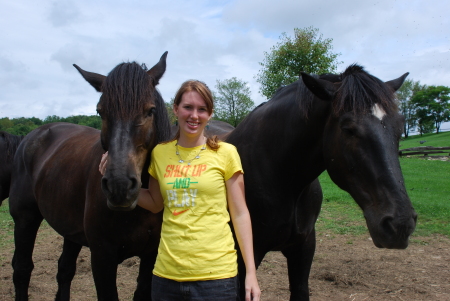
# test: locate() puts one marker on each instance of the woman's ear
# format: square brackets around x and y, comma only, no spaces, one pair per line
[175,109]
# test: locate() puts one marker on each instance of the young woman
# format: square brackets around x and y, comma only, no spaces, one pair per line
[199,183]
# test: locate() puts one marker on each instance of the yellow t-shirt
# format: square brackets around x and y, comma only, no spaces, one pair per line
[196,240]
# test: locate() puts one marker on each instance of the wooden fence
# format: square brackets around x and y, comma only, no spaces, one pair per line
[425,151]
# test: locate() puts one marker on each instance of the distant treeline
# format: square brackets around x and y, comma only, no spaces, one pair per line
[22,126]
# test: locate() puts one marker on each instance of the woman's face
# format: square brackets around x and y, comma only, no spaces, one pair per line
[192,114]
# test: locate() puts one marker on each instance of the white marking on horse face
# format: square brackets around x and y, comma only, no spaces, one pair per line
[378,112]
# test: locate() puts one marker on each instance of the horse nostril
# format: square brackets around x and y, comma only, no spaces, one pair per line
[387,225]
[133,183]
[105,184]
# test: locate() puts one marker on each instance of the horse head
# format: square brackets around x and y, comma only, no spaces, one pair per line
[134,120]
[360,149]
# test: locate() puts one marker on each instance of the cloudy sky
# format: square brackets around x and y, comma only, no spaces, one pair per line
[206,40]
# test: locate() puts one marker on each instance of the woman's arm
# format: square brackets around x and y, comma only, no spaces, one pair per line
[243,229]
[150,199]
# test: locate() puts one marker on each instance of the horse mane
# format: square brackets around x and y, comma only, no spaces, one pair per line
[12,143]
[161,121]
[126,89]
[358,92]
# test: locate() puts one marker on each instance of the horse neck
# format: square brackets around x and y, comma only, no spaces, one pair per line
[280,135]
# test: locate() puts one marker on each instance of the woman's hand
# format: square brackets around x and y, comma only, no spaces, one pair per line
[103,162]
[252,290]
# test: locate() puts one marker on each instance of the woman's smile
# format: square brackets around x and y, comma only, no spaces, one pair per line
[193,116]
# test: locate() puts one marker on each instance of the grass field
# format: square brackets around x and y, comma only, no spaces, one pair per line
[436,140]
[6,225]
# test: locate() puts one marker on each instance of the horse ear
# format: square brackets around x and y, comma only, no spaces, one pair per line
[321,88]
[158,70]
[96,80]
[395,84]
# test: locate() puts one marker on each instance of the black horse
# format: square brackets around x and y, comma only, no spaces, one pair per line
[56,177]
[8,146]
[347,124]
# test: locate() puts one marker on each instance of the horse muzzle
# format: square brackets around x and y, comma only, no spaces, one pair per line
[392,233]
[121,194]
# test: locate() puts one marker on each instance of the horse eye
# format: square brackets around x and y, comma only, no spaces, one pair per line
[99,112]
[151,112]
[350,130]
[348,126]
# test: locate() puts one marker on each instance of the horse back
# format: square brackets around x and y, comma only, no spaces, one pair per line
[51,170]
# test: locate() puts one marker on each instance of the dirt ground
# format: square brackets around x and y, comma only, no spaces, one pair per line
[344,268]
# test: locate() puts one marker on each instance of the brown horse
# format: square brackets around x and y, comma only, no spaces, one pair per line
[347,124]
[8,146]
[56,177]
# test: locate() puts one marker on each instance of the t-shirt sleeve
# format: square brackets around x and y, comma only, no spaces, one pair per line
[151,168]
[233,162]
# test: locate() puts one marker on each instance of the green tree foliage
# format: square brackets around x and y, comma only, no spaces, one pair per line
[307,51]
[22,126]
[407,108]
[432,105]
[51,119]
[6,123]
[19,126]
[232,101]
[424,122]
[169,107]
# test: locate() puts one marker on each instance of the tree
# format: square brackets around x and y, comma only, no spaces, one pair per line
[407,108]
[433,103]
[232,101]
[22,125]
[53,118]
[5,123]
[307,52]
[169,108]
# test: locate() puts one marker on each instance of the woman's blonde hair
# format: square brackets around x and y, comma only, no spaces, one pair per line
[202,89]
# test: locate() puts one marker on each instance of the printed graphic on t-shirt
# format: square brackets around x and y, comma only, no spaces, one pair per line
[182,194]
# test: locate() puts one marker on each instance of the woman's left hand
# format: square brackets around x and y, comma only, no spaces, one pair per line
[102,165]
[252,290]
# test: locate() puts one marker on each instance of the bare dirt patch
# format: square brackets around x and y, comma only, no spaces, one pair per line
[344,268]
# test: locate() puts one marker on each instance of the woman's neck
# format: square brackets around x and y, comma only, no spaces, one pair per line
[189,142]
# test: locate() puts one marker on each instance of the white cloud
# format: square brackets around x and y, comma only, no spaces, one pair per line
[206,40]
[63,13]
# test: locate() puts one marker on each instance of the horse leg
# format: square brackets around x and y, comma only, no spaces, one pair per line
[144,281]
[26,225]
[67,265]
[299,260]
[104,270]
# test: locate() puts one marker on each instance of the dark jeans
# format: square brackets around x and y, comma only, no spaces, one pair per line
[216,290]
